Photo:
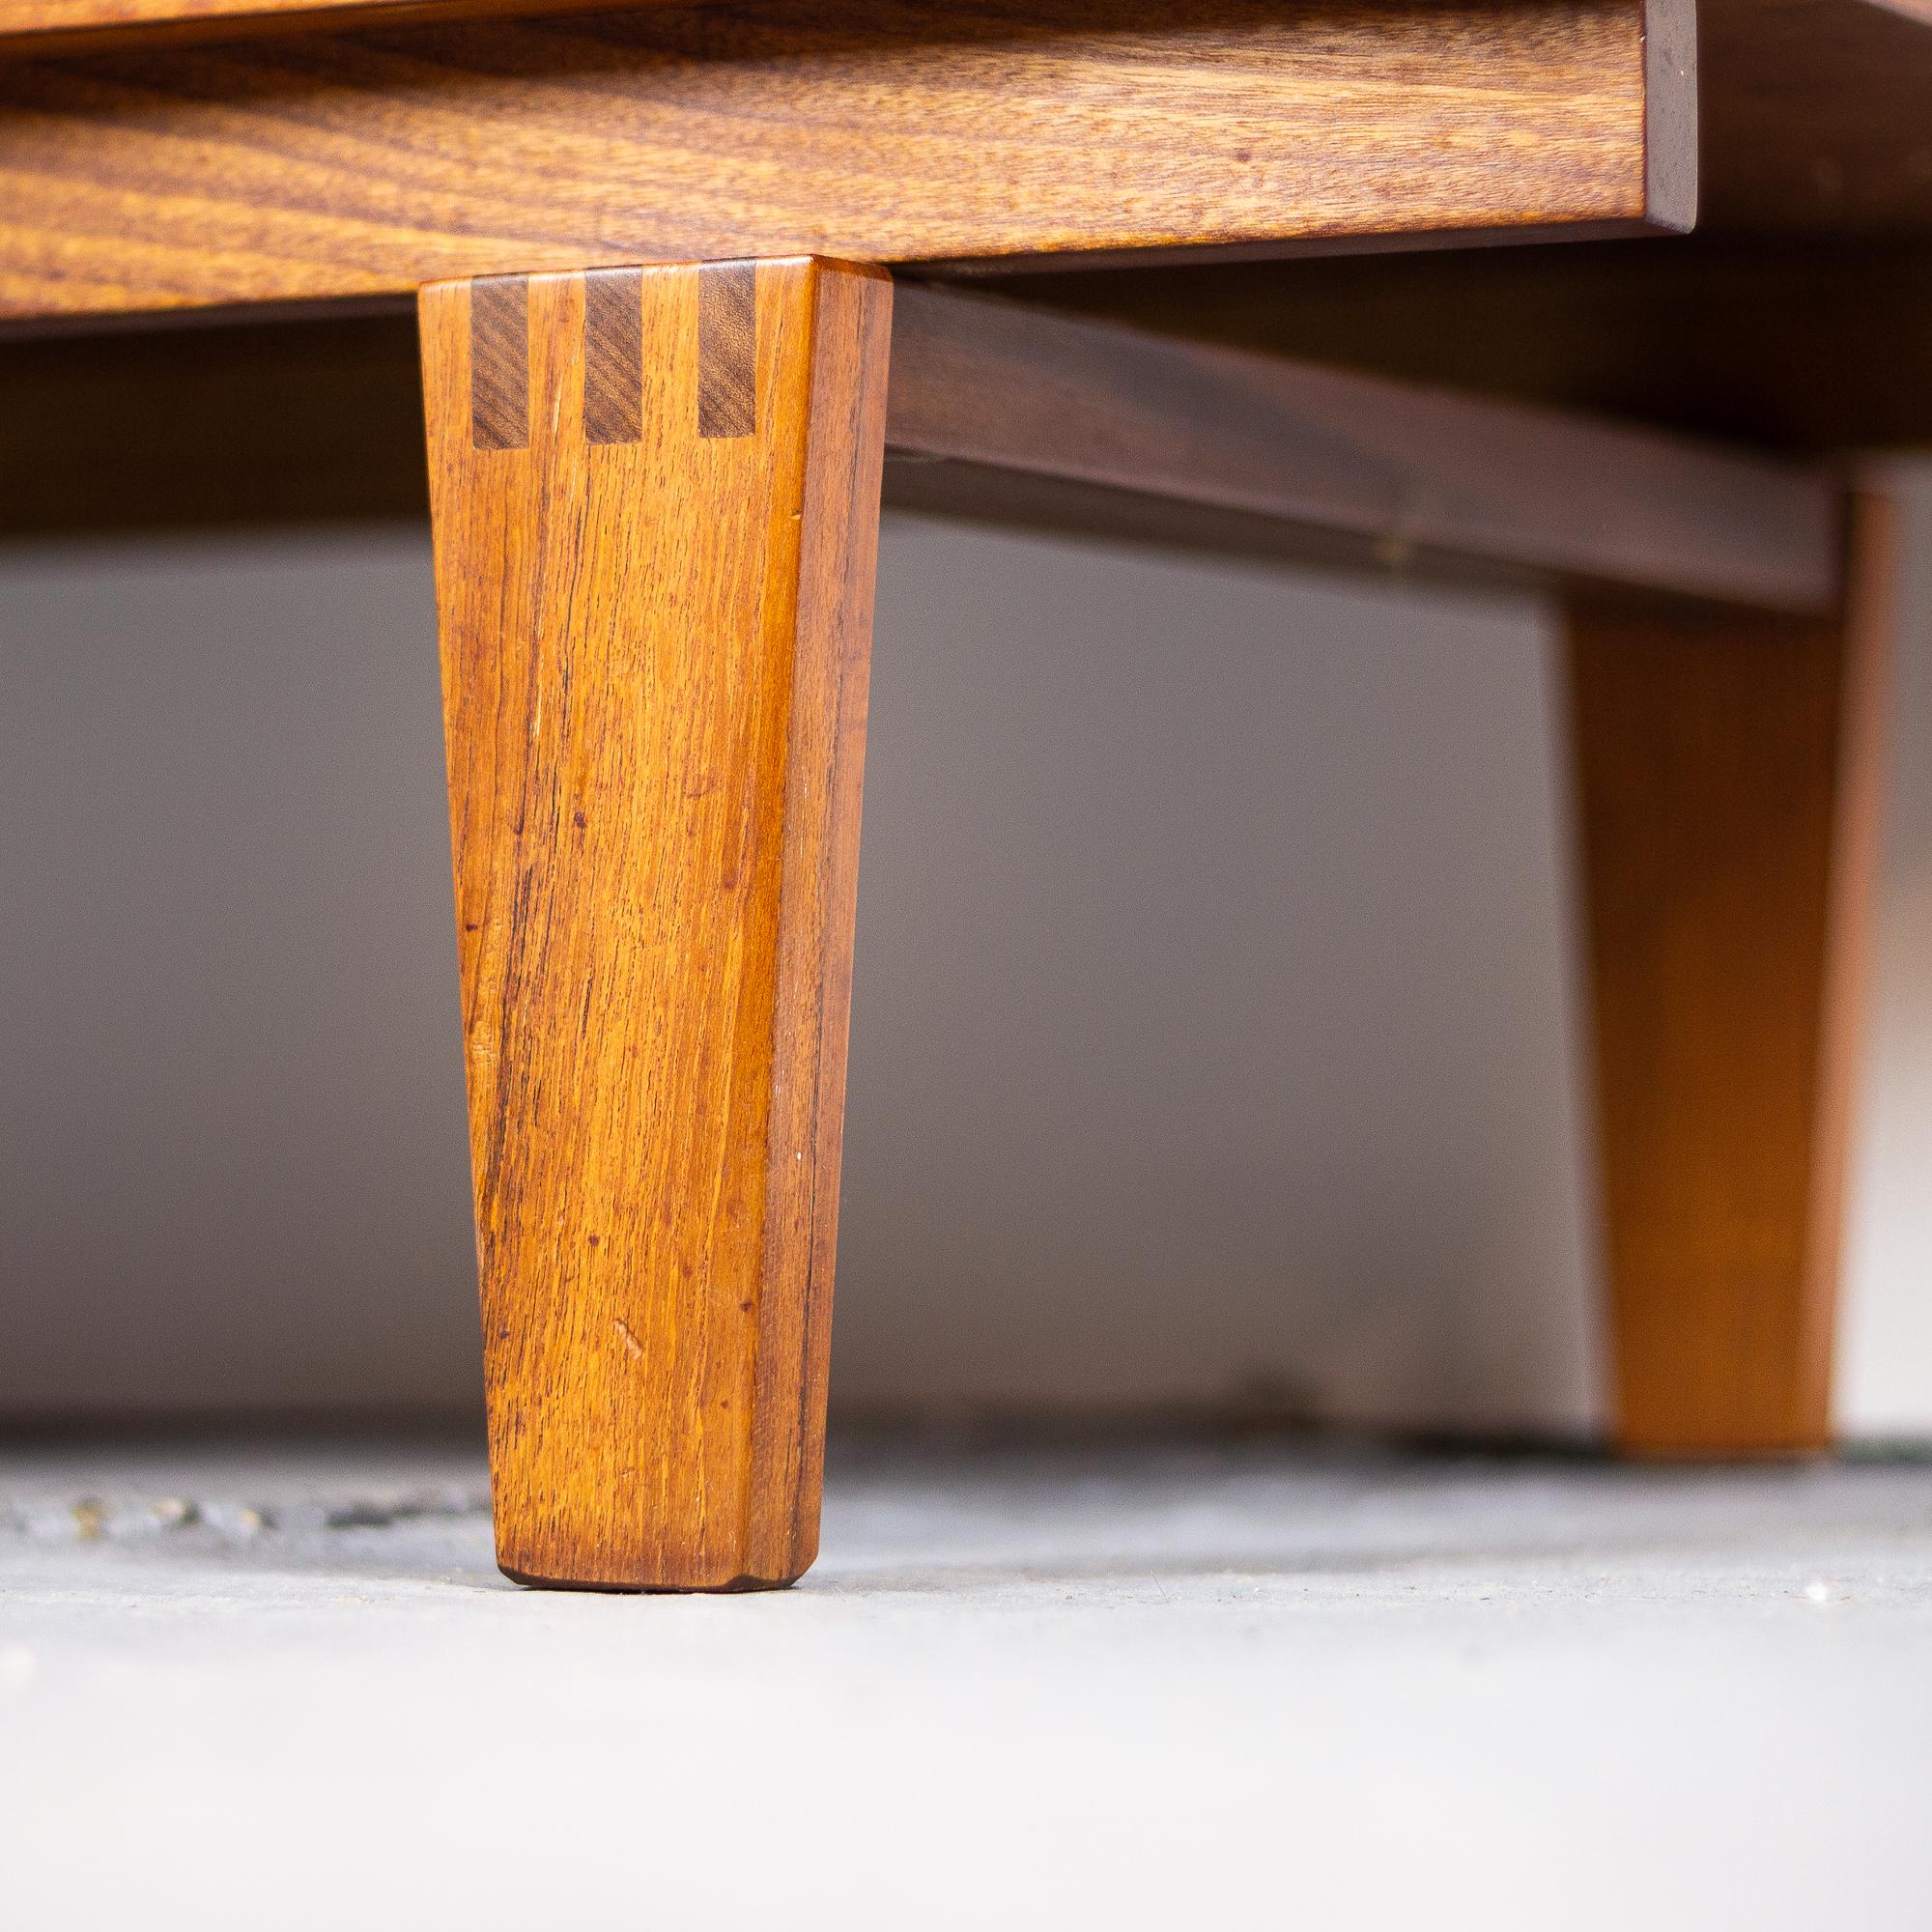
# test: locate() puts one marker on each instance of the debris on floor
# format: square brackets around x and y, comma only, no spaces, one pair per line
[1126,1684]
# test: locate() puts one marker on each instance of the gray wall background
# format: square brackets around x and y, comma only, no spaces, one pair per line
[1215,1036]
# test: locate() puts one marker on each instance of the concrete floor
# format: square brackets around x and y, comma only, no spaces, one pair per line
[1159,1685]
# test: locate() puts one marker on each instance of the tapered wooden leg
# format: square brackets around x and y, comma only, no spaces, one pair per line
[1727,763]
[656,498]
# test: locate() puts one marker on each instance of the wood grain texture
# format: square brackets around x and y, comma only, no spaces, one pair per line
[614,350]
[1813,110]
[1728,775]
[728,363]
[500,363]
[1023,415]
[654,669]
[301,167]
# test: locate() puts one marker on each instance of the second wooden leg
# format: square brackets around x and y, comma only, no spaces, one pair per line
[1727,764]
[656,503]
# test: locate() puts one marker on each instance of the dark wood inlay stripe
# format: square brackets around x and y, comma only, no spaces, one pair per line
[499,362]
[727,349]
[613,354]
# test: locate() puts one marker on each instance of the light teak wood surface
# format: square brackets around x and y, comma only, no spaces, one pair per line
[1728,765]
[655,496]
[296,167]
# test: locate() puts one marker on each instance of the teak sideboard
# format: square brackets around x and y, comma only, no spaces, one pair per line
[694,284]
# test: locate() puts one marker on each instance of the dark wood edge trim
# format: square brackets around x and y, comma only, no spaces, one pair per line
[1296,247]
[1670,183]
